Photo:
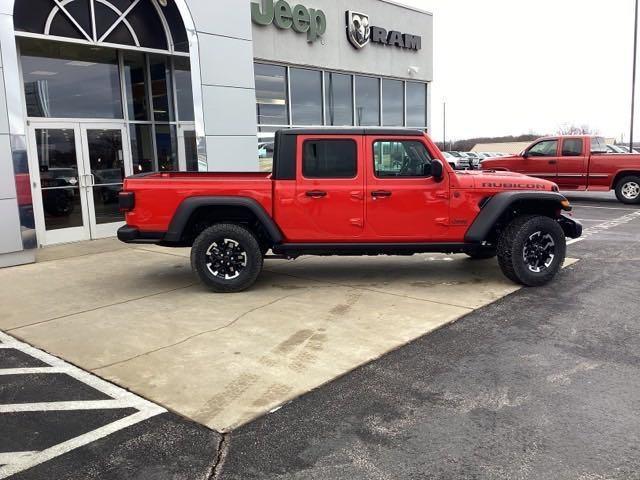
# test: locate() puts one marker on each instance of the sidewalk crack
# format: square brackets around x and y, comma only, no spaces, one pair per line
[191,337]
[221,456]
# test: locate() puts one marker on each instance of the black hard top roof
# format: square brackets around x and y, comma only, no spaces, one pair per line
[410,132]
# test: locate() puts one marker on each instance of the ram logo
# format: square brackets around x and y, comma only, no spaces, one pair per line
[358,29]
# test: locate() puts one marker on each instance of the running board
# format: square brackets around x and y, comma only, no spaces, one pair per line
[296,249]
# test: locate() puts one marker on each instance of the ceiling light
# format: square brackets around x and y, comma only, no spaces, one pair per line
[43,73]
[78,63]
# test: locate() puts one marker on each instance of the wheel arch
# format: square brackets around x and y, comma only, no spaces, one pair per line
[501,208]
[196,213]
[621,174]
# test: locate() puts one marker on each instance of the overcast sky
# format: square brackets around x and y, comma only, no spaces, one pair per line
[515,66]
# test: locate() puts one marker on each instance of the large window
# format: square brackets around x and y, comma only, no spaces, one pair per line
[184,90]
[70,81]
[161,88]
[392,103]
[416,105]
[367,101]
[306,97]
[290,97]
[136,85]
[330,159]
[271,94]
[339,99]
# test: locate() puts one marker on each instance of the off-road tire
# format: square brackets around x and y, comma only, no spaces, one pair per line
[246,241]
[483,253]
[626,182]
[511,246]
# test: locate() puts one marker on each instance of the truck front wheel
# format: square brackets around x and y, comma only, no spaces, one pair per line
[531,250]
[628,190]
[227,258]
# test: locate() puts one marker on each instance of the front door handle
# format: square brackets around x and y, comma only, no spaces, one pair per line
[381,194]
[316,194]
[553,162]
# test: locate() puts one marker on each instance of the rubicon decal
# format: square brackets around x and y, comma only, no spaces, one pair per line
[522,186]
[360,33]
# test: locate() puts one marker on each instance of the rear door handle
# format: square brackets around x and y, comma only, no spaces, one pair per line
[316,194]
[381,194]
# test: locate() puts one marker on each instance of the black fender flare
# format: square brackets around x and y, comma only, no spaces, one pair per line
[189,205]
[498,204]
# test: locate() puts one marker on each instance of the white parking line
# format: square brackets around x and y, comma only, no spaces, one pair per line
[15,462]
[602,227]
[32,371]
[579,205]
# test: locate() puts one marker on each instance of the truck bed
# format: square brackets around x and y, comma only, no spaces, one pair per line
[158,195]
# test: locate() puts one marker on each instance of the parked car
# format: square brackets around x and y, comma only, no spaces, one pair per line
[577,163]
[475,159]
[462,162]
[614,149]
[625,149]
[342,193]
[265,149]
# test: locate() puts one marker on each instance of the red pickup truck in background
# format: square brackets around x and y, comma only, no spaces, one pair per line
[576,163]
[349,192]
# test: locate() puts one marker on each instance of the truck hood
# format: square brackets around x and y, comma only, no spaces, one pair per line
[500,180]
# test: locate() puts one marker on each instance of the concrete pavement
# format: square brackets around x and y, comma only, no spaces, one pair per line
[136,316]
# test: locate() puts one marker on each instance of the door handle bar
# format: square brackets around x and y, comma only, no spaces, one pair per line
[381,194]
[316,194]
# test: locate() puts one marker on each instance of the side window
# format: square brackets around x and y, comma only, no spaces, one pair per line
[546,148]
[598,145]
[330,159]
[397,159]
[572,147]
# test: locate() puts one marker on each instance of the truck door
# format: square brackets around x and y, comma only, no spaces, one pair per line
[540,160]
[573,164]
[328,205]
[403,201]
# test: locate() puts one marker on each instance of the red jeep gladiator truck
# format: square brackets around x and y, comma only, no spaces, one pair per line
[349,192]
[576,163]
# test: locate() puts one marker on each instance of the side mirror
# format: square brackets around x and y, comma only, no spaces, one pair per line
[437,170]
[525,154]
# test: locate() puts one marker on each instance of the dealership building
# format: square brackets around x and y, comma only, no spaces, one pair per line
[92,91]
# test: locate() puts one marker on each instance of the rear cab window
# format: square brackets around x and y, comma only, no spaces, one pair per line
[330,158]
[572,147]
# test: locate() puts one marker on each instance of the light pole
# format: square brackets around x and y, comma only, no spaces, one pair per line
[444,124]
[633,86]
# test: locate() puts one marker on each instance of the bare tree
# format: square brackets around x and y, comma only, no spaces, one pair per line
[571,129]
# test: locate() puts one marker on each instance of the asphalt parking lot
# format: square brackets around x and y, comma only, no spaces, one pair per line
[543,383]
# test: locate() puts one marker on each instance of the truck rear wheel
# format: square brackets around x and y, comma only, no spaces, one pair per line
[628,190]
[227,258]
[531,250]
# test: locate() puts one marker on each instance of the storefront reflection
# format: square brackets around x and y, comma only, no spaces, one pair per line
[23,192]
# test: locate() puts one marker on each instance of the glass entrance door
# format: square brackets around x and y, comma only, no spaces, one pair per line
[79,172]
[106,165]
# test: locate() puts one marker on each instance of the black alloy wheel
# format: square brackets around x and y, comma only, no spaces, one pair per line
[539,251]
[227,258]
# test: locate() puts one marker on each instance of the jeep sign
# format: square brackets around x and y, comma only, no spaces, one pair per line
[299,18]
